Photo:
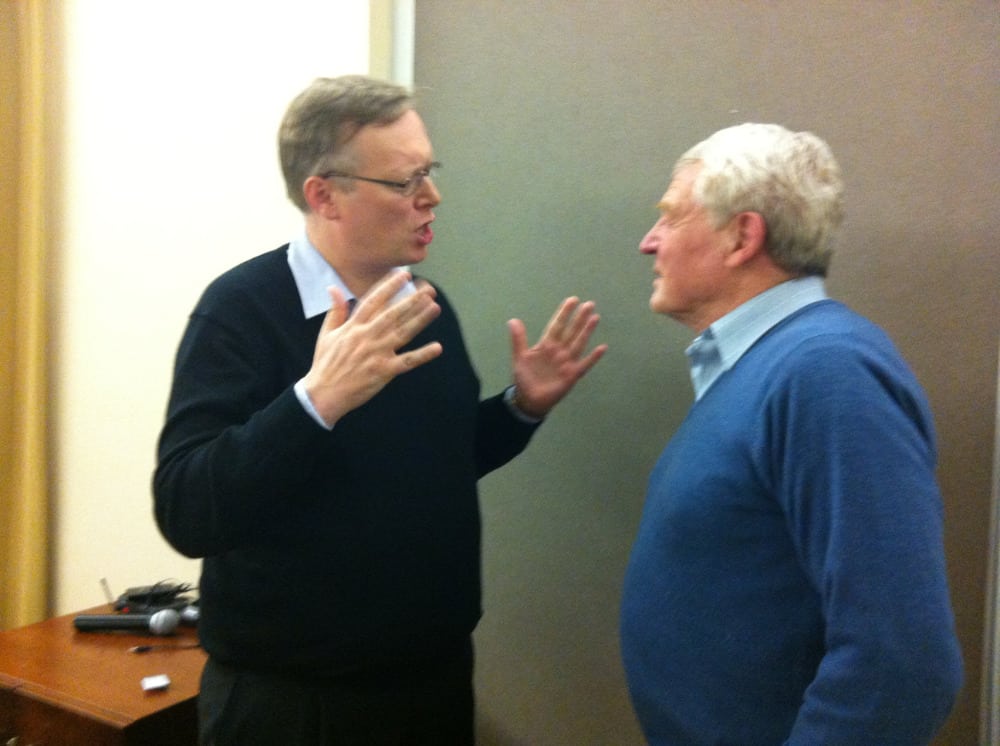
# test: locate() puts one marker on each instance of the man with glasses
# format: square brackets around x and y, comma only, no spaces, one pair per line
[323,442]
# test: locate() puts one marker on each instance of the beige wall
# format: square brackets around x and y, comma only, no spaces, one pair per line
[169,176]
[557,124]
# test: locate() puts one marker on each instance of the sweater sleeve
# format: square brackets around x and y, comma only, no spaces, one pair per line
[500,436]
[235,446]
[853,446]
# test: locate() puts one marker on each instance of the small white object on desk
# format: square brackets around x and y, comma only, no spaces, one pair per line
[155,683]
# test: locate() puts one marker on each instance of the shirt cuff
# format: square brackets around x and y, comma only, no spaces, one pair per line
[508,399]
[306,402]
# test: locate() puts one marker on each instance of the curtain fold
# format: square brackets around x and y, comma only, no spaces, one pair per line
[24,503]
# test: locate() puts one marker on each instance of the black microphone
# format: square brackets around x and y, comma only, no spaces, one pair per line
[162,622]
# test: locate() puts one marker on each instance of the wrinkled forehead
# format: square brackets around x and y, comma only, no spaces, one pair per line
[681,190]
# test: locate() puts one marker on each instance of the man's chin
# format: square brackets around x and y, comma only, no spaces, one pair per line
[657,304]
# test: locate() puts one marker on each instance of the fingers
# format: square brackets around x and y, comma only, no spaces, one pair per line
[423,286]
[584,323]
[545,372]
[560,319]
[569,329]
[408,318]
[402,318]
[415,358]
[591,360]
[572,325]
[356,357]
[518,337]
[380,295]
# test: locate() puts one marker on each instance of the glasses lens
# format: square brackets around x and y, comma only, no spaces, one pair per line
[413,184]
[416,181]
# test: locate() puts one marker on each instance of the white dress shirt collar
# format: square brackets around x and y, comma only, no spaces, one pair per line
[717,349]
[313,275]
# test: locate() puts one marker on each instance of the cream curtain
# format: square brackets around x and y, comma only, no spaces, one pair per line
[24,505]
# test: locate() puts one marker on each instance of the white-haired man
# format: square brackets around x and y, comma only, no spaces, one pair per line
[787,584]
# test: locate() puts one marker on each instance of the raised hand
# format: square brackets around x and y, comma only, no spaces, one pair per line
[356,357]
[545,373]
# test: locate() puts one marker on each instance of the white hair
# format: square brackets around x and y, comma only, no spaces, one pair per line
[790,178]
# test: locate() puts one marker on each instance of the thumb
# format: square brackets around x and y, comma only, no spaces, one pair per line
[518,337]
[337,314]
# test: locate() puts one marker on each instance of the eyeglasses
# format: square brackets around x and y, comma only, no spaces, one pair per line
[407,188]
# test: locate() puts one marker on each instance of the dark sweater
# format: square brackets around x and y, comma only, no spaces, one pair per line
[324,551]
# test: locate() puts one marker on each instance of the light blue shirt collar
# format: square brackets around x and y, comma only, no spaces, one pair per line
[717,349]
[313,275]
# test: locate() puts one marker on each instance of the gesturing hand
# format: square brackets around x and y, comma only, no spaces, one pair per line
[546,372]
[356,357]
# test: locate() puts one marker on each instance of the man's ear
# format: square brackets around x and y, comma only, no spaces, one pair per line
[748,232]
[321,197]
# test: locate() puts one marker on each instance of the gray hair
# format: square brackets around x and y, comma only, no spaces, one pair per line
[790,178]
[320,122]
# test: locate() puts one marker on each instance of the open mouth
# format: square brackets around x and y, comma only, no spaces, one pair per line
[425,234]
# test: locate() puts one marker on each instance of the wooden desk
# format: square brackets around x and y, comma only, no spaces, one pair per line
[61,687]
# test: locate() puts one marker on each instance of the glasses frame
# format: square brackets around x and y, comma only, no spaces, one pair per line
[407,188]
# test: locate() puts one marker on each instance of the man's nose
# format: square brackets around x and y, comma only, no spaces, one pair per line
[428,192]
[648,244]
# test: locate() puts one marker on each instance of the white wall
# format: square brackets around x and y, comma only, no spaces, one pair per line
[170,176]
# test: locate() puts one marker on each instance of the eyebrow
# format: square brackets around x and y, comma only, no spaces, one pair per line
[428,166]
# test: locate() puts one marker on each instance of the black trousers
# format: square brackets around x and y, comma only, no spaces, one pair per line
[430,704]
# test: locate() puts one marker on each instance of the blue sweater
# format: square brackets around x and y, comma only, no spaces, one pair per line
[787,584]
